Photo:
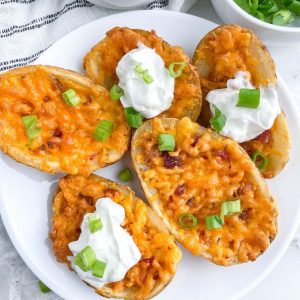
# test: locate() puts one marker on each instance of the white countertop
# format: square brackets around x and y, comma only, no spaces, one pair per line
[283,281]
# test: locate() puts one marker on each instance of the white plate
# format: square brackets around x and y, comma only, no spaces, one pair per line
[26,193]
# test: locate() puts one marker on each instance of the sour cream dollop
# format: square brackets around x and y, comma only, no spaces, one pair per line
[112,244]
[148,99]
[244,124]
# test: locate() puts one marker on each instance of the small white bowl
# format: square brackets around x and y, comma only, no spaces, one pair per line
[120,4]
[271,34]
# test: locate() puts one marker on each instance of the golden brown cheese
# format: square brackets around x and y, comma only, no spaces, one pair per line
[77,196]
[65,142]
[101,63]
[207,171]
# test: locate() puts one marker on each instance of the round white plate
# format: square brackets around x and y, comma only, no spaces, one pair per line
[26,193]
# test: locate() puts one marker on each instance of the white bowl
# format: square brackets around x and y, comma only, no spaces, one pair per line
[271,34]
[120,4]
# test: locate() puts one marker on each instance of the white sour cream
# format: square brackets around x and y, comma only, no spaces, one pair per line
[244,124]
[148,99]
[112,244]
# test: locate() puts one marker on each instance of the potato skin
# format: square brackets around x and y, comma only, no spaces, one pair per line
[77,195]
[218,56]
[65,142]
[101,62]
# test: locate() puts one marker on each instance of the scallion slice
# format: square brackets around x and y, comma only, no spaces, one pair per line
[294,6]
[125,175]
[138,69]
[70,97]
[187,220]
[249,98]
[179,68]
[30,126]
[95,223]
[166,142]
[99,268]
[44,289]
[85,259]
[230,207]
[260,159]
[218,121]
[116,92]
[134,118]
[144,73]
[213,222]
[103,130]
[282,17]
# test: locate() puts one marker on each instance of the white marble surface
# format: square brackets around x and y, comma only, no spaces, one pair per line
[282,283]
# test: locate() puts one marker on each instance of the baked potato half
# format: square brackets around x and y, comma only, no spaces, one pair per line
[58,137]
[204,171]
[77,195]
[101,62]
[218,57]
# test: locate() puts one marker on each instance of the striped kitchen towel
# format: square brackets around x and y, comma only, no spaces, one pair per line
[29,27]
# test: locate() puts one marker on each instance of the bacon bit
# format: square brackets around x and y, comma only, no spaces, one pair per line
[265,137]
[222,153]
[89,199]
[180,190]
[112,193]
[171,161]
[43,147]
[89,100]
[244,215]
[57,84]
[243,189]
[156,275]
[190,201]
[54,142]
[196,139]
[46,98]
[93,156]
[147,260]
[57,133]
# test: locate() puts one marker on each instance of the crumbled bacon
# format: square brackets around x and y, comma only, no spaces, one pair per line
[93,156]
[195,141]
[222,153]
[57,133]
[42,147]
[54,142]
[243,189]
[171,161]
[180,190]
[190,201]
[265,137]
[112,193]
[46,99]
[244,215]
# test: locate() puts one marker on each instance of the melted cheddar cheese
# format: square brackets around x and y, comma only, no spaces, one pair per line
[65,142]
[77,196]
[101,63]
[208,170]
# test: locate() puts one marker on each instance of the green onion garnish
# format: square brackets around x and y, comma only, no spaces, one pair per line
[230,207]
[99,268]
[103,130]
[294,6]
[249,98]
[70,97]
[31,131]
[282,17]
[134,118]
[144,73]
[85,259]
[95,223]
[218,121]
[187,220]
[125,175]
[260,159]
[213,222]
[179,66]
[166,142]
[44,289]
[116,92]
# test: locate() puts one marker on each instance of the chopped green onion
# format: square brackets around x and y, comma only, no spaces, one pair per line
[253,4]
[85,259]
[260,159]
[179,66]
[249,98]
[144,73]
[187,220]
[213,222]
[166,142]
[282,17]
[134,118]
[95,224]
[31,131]
[103,130]
[295,7]
[125,175]
[70,97]
[230,207]
[218,121]
[138,69]
[44,289]
[99,268]
[147,77]
[116,92]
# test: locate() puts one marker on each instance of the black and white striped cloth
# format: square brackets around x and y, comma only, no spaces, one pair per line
[29,27]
